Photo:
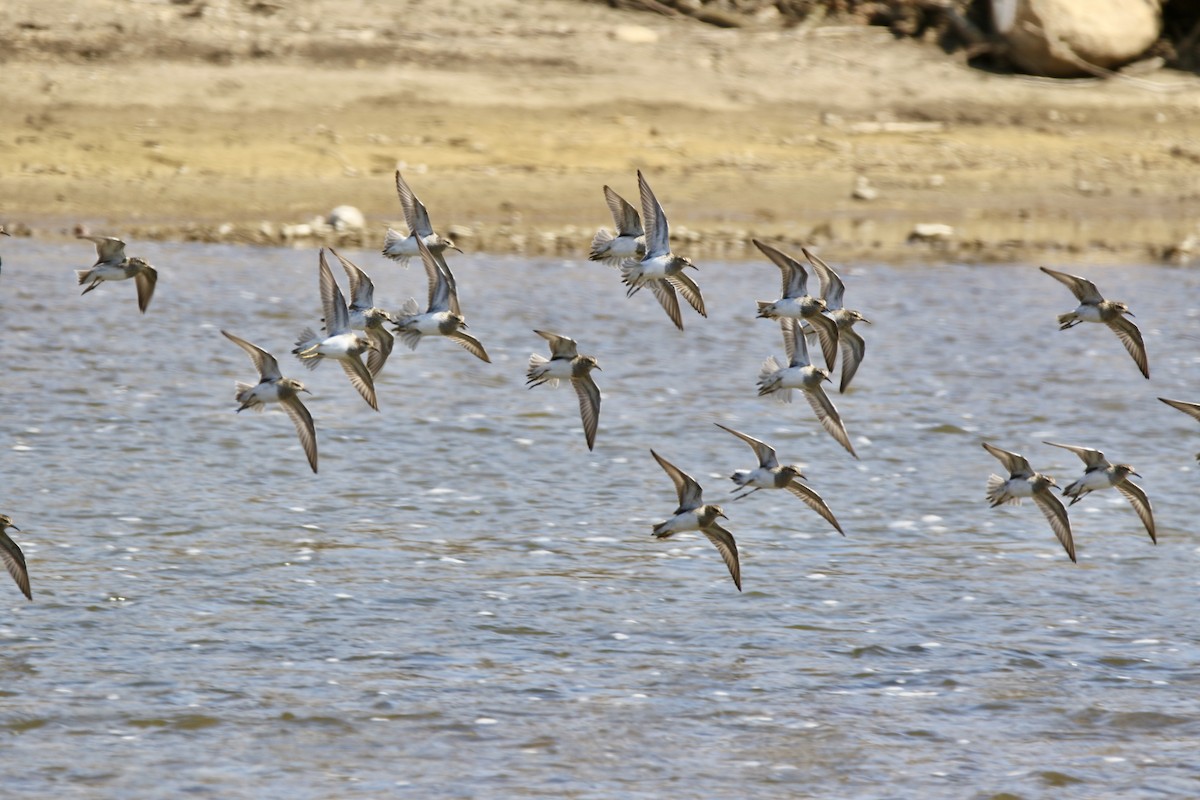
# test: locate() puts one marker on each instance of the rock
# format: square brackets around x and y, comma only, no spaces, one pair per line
[634,34]
[863,190]
[1061,38]
[931,232]
[346,218]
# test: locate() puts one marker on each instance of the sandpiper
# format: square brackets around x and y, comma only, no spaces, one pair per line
[833,292]
[1094,308]
[339,341]
[364,316]
[113,265]
[801,374]
[6,233]
[399,247]
[443,317]
[770,475]
[694,515]
[796,303]
[14,559]
[1099,473]
[1024,482]
[660,269]
[565,363]
[630,239]
[272,387]
[1191,409]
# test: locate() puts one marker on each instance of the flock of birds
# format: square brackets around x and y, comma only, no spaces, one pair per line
[639,246]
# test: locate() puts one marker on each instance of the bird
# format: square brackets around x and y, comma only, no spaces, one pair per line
[801,374]
[272,387]
[1024,482]
[797,303]
[1094,308]
[443,317]
[565,363]
[1191,409]
[401,248]
[833,292]
[339,341]
[364,316]
[113,265]
[659,268]
[630,239]
[6,233]
[694,515]
[1099,473]
[770,475]
[14,559]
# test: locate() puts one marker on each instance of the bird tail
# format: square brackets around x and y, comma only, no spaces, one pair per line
[768,382]
[84,275]
[631,275]
[996,494]
[764,309]
[537,371]
[306,347]
[391,238]
[1067,320]
[246,399]
[741,478]
[410,308]
[600,244]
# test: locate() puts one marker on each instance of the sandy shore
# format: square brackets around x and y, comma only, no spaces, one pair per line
[223,120]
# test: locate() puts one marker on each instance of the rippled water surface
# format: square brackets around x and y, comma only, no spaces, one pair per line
[467,603]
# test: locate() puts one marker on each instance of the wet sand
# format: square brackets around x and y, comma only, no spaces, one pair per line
[240,121]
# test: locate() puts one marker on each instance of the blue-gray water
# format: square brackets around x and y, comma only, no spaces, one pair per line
[467,603]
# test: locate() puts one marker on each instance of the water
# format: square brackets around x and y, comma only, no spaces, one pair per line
[467,603]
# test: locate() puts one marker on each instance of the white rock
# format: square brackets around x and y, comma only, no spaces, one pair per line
[931,232]
[634,34]
[1059,38]
[346,218]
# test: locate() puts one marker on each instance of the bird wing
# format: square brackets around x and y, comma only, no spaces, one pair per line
[794,343]
[304,427]
[624,215]
[727,547]
[832,289]
[362,289]
[333,303]
[827,335]
[1083,289]
[108,248]
[658,237]
[853,349]
[264,362]
[1191,409]
[1092,459]
[361,379]
[690,291]
[145,279]
[795,277]
[686,488]
[1016,464]
[560,346]
[664,292]
[472,345]
[814,501]
[1141,504]
[589,406]
[830,420]
[1131,337]
[762,451]
[1052,509]
[451,284]
[415,214]
[384,342]
[14,562]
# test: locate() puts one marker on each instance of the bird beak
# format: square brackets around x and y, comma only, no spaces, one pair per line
[455,249]
[306,391]
[722,515]
[864,319]
[1130,314]
[1135,473]
[14,527]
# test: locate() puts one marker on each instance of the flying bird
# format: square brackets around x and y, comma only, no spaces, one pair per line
[13,558]
[770,475]
[339,342]
[1191,409]
[833,292]
[1094,308]
[113,265]
[694,515]
[630,239]
[660,269]
[442,317]
[399,247]
[796,303]
[272,387]
[1100,474]
[565,363]
[1022,481]
[365,317]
